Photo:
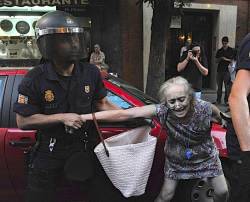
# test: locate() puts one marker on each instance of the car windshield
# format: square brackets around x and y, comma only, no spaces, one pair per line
[146,99]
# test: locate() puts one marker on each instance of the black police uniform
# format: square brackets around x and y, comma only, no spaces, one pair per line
[43,91]
[234,153]
[240,169]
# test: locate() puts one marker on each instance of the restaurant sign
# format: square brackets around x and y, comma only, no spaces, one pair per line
[43,2]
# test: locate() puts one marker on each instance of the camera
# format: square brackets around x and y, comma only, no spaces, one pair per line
[194,52]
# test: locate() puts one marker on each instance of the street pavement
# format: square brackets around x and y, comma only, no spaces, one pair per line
[210,95]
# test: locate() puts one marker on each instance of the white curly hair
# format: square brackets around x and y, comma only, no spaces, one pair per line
[174,81]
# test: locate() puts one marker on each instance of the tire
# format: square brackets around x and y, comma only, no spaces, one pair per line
[193,191]
[200,190]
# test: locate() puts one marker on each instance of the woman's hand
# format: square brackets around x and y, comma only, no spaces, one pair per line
[225,119]
[194,58]
[189,55]
[72,120]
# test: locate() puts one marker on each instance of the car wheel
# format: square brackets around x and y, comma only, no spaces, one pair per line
[202,191]
[194,191]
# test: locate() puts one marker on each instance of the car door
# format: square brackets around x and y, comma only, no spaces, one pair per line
[125,100]
[7,191]
[17,142]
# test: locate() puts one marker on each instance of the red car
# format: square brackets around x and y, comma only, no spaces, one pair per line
[15,143]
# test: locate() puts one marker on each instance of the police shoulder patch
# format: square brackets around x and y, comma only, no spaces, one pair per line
[22,99]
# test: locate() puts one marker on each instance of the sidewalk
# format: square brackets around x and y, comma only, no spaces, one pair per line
[210,95]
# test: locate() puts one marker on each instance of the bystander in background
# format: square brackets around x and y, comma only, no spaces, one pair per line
[30,51]
[3,50]
[192,66]
[223,57]
[185,47]
[97,57]
[232,69]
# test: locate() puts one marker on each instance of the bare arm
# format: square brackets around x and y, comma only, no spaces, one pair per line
[240,109]
[103,105]
[227,59]
[182,65]
[91,61]
[121,115]
[101,58]
[202,69]
[98,60]
[38,121]
[223,58]
[216,115]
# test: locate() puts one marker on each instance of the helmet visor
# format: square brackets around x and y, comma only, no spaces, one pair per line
[66,46]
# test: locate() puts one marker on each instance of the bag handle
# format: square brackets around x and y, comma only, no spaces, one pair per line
[100,134]
[159,134]
[102,139]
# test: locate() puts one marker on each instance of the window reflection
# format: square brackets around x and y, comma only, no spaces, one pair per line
[2,83]
[18,51]
[118,100]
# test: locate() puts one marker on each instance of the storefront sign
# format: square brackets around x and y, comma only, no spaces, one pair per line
[43,2]
[175,22]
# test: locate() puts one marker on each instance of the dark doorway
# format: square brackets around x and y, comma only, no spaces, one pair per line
[195,26]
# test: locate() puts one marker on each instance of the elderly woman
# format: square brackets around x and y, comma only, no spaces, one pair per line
[190,150]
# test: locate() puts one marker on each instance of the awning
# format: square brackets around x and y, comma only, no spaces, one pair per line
[44,2]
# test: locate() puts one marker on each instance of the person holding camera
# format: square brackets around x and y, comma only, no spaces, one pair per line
[192,66]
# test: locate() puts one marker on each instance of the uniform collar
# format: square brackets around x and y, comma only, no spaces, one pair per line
[52,75]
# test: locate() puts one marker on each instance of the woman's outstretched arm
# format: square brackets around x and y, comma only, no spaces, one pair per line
[122,114]
[216,117]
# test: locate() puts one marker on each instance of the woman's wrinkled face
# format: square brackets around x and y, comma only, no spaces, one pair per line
[178,100]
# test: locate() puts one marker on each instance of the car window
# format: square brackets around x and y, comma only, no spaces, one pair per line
[146,99]
[2,84]
[115,99]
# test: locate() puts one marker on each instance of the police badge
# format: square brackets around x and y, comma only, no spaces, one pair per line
[49,96]
[87,89]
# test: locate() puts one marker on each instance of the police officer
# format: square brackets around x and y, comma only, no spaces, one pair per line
[239,101]
[50,99]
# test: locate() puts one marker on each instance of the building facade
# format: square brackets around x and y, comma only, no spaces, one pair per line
[123,30]
[206,22]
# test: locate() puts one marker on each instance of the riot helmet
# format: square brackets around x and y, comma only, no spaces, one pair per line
[59,36]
